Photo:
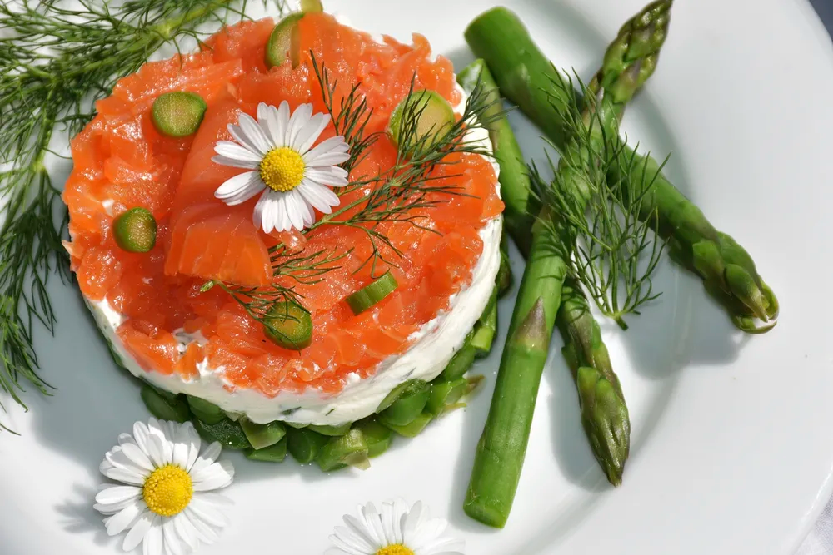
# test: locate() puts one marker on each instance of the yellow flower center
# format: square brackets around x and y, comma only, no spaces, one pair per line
[395,549]
[282,169]
[168,490]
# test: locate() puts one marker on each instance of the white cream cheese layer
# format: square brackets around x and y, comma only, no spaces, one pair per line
[432,347]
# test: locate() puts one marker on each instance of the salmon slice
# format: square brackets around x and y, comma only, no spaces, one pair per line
[218,243]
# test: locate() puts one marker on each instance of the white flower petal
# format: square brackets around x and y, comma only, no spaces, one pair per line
[278,213]
[388,523]
[141,432]
[137,532]
[300,118]
[268,118]
[262,213]
[111,494]
[240,188]
[280,123]
[333,177]
[373,521]
[137,456]
[309,134]
[351,542]
[231,162]
[296,209]
[173,543]
[205,532]
[125,518]
[362,529]
[344,548]
[186,531]
[216,476]
[125,475]
[229,150]
[411,522]
[126,438]
[249,132]
[194,442]
[320,197]
[400,509]
[153,543]
[182,442]
[207,457]
[328,159]
[335,144]
[157,451]
[208,512]
[118,459]
[427,533]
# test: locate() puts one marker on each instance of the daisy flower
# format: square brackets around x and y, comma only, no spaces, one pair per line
[293,177]
[395,530]
[165,499]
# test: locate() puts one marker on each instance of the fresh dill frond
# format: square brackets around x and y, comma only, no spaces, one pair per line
[55,62]
[596,225]
[411,183]
[306,269]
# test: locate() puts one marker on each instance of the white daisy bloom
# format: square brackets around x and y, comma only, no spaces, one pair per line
[165,500]
[294,178]
[395,530]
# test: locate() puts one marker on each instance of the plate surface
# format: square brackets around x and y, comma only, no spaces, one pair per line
[732,444]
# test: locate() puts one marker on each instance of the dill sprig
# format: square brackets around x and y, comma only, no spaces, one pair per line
[410,184]
[594,222]
[55,62]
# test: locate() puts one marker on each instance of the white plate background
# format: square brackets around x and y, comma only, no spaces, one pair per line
[733,435]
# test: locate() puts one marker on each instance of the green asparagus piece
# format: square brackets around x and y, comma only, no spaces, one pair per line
[304,444]
[377,436]
[526,77]
[204,410]
[514,183]
[331,430]
[412,428]
[227,432]
[408,406]
[504,274]
[502,446]
[604,414]
[347,450]
[274,453]
[444,395]
[164,405]
[485,329]
[262,436]
[461,361]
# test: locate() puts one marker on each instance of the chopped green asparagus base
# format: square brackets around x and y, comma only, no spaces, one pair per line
[164,405]
[227,432]
[204,410]
[274,453]
[409,405]
[304,444]
[339,452]
[339,430]
[262,436]
[413,428]
[377,436]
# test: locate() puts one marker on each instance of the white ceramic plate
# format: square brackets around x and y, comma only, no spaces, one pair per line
[733,435]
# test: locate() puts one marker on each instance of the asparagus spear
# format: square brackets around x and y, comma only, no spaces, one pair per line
[502,446]
[604,414]
[525,77]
